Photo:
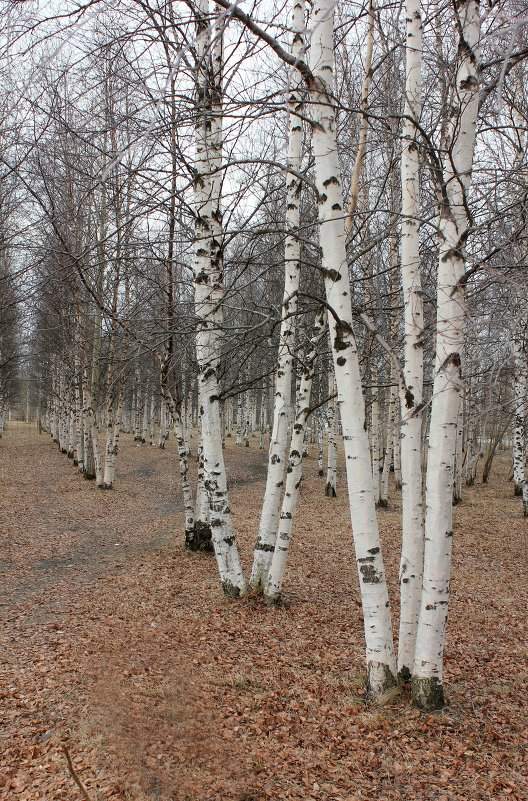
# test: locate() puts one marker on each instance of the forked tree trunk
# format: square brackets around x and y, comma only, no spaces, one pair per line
[273,589]
[381,667]
[282,408]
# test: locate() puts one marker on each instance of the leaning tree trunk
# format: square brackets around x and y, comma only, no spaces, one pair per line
[381,667]
[282,408]
[453,223]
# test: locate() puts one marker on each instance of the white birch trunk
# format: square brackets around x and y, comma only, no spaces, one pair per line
[79,423]
[136,411]
[112,445]
[320,450]
[381,667]
[282,409]
[152,425]
[331,440]
[144,426]
[239,419]
[91,444]
[273,589]
[520,366]
[459,455]
[411,400]
[208,296]
[306,442]
[179,435]
[202,516]
[163,423]
[377,456]
[427,686]
[247,419]
[71,428]
[193,536]
[389,453]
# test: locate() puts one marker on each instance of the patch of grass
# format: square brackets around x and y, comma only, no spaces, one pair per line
[239,680]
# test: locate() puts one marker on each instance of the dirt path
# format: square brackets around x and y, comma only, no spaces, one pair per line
[118,642]
[60,538]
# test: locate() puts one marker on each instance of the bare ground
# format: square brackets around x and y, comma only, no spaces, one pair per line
[117,643]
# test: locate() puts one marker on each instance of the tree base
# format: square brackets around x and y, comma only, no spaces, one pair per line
[273,600]
[405,675]
[89,476]
[382,503]
[518,491]
[330,491]
[381,681]
[427,693]
[199,539]
[105,486]
[231,590]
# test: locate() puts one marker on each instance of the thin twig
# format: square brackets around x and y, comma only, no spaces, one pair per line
[74,774]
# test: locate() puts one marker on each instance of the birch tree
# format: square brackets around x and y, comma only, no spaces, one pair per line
[282,408]
[272,591]
[453,185]
[411,564]
[520,397]
[381,667]
[208,294]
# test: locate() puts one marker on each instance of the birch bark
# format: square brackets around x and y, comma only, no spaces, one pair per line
[275,578]
[331,440]
[427,687]
[282,411]
[208,296]
[411,561]
[381,667]
[520,366]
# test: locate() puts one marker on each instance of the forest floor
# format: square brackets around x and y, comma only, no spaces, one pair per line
[118,645]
